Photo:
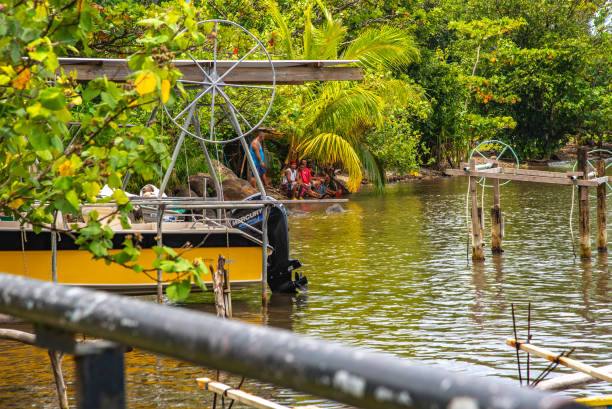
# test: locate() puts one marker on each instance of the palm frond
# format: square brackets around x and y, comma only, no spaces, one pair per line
[384,47]
[308,33]
[285,34]
[399,92]
[330,148]
[328,16]
[327,40]
[338,109]
[374,170]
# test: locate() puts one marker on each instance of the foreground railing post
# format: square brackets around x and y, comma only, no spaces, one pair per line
[100,376]
[100,368]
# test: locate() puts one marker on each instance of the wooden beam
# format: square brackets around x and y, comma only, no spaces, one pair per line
[529,178]
[118,70]
[565,361]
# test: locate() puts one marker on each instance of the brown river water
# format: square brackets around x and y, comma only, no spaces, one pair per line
[391,274]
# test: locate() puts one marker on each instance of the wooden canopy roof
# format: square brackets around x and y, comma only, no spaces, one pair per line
[248,72]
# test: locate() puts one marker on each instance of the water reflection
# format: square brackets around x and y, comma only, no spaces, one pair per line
[391,274]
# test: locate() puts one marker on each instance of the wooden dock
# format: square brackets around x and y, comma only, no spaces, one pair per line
[583,179]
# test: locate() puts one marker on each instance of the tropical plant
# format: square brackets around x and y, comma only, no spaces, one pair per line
[332,118]
[45,168]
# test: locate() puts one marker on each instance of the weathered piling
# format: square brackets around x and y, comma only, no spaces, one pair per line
[477,243]
[222,291]
[602,222]
[481,219]
[583,205]
[496,221]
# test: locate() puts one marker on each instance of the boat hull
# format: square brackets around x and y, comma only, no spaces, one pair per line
[32,258]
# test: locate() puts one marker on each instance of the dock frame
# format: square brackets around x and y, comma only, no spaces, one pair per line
[583,179]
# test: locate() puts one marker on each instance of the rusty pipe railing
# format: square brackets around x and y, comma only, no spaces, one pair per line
[359,378]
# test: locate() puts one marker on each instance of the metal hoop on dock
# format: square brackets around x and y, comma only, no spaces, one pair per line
[504,148]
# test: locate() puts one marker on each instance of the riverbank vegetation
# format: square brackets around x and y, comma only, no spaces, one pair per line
[439,76]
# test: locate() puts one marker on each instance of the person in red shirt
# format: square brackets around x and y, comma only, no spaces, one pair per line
[304,179]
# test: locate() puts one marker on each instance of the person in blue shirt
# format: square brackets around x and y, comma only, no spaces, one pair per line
[257,154]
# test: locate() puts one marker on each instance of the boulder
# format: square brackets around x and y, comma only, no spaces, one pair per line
[183,191]
[196,183]
[335,209]
[236,189]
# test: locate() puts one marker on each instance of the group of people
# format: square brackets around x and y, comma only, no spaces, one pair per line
[304,181]
[297,182]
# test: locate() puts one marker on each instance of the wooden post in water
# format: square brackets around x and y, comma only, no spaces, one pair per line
[481,221]
[583,202]
[496,221]
[602,232]
[477,244]
[222,290]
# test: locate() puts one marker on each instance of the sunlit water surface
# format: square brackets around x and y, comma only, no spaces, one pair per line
[391,274]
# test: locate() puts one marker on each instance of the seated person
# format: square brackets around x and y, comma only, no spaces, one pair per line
[323,188]
[290,180]
[150,191]
[305,180]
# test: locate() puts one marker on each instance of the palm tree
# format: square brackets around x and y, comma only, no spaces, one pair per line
[335,115]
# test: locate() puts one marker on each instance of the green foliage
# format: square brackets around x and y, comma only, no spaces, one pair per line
[330,120]
[397,145]
[46,167]
[538,71]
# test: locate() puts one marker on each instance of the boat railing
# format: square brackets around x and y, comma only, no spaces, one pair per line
[353,376]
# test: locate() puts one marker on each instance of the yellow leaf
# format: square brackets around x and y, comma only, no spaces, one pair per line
[22,80]
[145,83]
[65,168]
[165,91]
[16,204]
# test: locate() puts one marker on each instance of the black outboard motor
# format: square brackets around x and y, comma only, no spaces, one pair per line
[280,266]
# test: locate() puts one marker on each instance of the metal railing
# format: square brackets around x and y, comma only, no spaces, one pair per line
[349,375]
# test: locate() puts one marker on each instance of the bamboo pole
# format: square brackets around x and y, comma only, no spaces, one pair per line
[563,360]
[241,396]
[583,201]
[570,381]
[496,221]
[477,243]
[602,232]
